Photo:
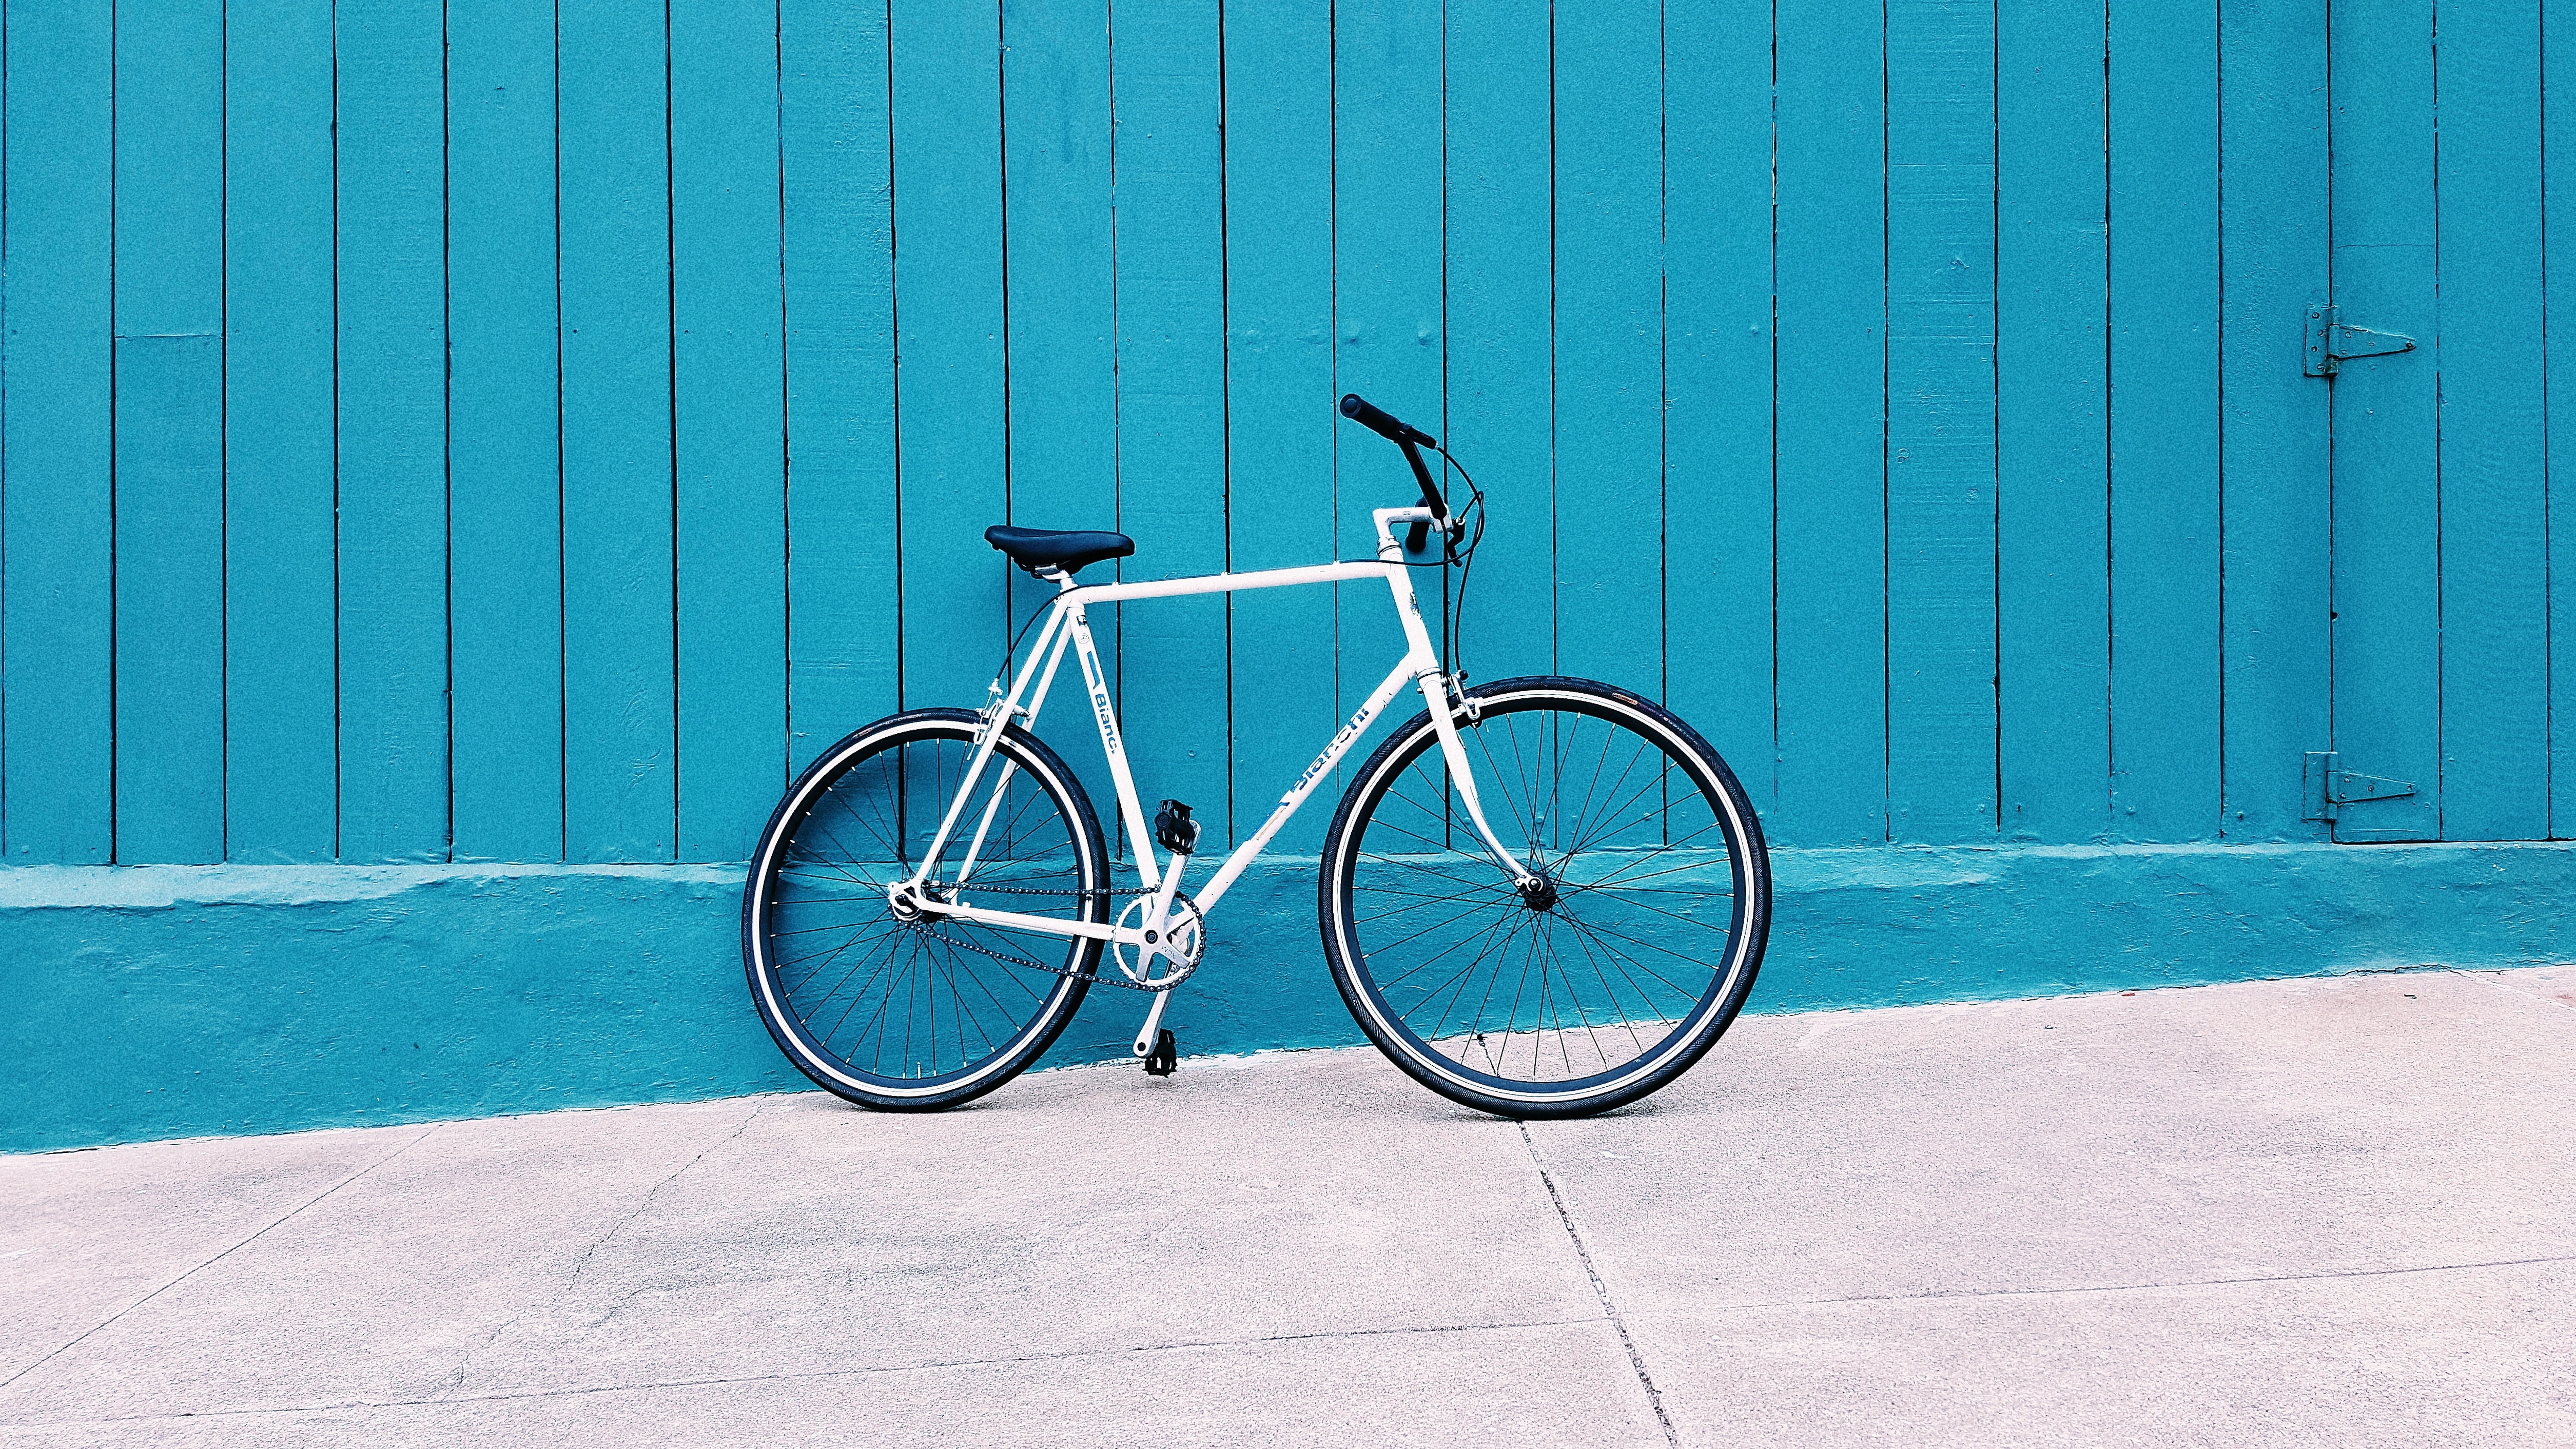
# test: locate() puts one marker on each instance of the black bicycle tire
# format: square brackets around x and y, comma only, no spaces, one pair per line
[1719,1007]
[1061,783]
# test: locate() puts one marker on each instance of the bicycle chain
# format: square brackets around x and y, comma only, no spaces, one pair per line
[1008,959]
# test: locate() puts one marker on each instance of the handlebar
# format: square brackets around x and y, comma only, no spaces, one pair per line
[1412,440]
[1377,420]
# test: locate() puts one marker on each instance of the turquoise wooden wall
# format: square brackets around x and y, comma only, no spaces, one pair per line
[476,432]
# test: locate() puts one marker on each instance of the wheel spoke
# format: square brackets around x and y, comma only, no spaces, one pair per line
[908,1005]
[1575,984]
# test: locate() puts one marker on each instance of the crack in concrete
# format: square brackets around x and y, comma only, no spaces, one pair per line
[655,1191]
[722,1381]
[1953,1293]
[219,1257]
[1600,1289]
[454,1379]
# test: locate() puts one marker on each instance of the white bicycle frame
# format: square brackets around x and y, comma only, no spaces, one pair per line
[1067,625]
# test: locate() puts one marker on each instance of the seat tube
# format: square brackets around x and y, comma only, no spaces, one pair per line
[1105,714]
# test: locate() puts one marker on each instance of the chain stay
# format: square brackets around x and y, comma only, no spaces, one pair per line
[1120,980]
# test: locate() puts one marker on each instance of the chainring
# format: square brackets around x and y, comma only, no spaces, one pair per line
[1185,937]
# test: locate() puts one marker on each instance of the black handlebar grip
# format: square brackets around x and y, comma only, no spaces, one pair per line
[1386,425]
[1412,440]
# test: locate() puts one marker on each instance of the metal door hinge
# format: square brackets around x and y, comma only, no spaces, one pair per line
[2329,789]
[2330,341]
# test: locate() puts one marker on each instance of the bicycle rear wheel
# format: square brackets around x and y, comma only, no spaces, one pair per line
[1617,970]
[919,1014]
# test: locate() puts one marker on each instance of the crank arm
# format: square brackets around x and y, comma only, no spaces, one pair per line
[1153,1019]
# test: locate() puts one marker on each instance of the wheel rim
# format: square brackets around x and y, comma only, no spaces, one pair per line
[1605,971]
[923,1007]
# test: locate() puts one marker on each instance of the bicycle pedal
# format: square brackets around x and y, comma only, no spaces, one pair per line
[1165,1056]
[1175,829]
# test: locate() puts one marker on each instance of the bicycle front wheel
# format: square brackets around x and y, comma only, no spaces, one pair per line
[1621,962]
[926,1012]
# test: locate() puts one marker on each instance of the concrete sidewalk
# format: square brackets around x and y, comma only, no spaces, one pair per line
[2316,1211]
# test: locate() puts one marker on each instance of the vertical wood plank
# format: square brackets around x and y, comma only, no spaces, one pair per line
[2164,420]
[843,569]
[2387,512]
[1941,665]
[1499,248]
[948,292]
[1832,662]
[1608,356]
[2053,635]
[731,423]
[2558,320]
[2494,539]
[169,432]
[393,435]
[1171,394]
[1279,399]
[620,799]
[1390,338]
[505,447]
[281,760]
[2277,439]
[1063,308]
[57,515]
[1717,449]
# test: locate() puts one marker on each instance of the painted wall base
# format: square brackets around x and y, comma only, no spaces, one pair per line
[169,1001]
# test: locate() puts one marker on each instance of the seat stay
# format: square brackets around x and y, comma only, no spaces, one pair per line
[996,714]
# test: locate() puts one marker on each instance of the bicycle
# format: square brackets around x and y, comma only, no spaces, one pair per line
[1628,873]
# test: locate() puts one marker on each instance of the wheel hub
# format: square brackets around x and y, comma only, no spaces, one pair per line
[1539,893]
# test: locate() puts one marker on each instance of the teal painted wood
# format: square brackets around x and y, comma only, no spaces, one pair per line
[1941,539]
[1453,211]
[2164,421]
[505,446]
[843,573]
[2052,544]
[729,410]
[1172,474]
[170,431]
[57,511]
[2277,444]
[1280,423]
[1717,373]
[1832,602]
[1063,308]
[951,380]
[1501,309]
[1609,354]
[2387,511]
[169,594]
[620,800]
[281,755]
[392,435]
[1390,338]
[2494,493]
[2558,319]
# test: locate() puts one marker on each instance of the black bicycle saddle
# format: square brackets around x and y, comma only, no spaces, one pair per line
[1055,548]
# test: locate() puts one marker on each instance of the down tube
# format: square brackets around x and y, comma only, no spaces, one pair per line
[1236,863]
